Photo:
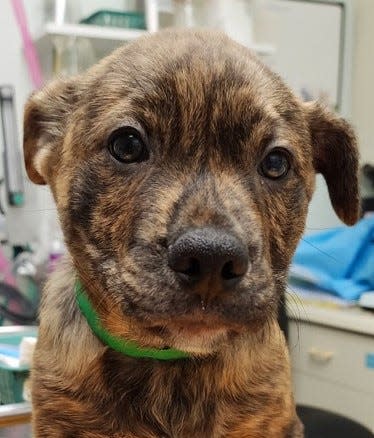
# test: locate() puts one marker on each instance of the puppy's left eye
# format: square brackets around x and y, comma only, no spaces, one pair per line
[127,146]
[276,164]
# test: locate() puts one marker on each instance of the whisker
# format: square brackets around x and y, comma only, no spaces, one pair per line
[299,306]
[321,251]
[318,228]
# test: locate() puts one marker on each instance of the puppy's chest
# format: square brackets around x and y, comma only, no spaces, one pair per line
[182,404]
[171,403]
[182,422]
[224,423]
[119,398]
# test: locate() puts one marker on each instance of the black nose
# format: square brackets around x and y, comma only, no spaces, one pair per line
[209,259]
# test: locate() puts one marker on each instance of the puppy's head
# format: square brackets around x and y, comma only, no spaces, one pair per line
[182,169]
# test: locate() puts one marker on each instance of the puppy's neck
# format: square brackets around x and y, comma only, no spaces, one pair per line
[77,347]
[116,343]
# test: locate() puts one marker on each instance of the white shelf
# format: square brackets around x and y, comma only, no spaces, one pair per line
[117,34]
[94,32]
[15,410]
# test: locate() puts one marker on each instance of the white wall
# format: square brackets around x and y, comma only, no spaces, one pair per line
[363,77]
[24,224]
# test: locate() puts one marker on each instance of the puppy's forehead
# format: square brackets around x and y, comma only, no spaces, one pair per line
[188,81]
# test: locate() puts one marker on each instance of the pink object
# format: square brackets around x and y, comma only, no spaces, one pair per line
[28,44]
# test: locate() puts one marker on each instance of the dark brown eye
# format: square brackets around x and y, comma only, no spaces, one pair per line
[127,146]
[275,165]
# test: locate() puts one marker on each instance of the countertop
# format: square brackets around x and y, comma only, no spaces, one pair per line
[353,319]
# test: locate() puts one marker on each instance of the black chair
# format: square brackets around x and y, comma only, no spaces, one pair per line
[319,423]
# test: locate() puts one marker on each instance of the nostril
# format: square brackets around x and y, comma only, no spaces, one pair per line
[193,269]
[186,266]
[227,271]
[232,270]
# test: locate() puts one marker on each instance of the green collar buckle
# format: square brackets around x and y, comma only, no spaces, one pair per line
[128,348]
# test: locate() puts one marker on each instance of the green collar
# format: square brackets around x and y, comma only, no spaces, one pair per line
[128,348]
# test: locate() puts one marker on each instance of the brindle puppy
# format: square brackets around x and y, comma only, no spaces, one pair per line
[182,169]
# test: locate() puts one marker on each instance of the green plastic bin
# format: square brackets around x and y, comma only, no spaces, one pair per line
[129,20]
[12,378]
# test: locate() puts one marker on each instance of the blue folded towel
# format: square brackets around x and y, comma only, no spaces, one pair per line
[339,260]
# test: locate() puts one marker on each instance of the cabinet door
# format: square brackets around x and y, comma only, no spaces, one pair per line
[334,355]
[314,391]
[331,370]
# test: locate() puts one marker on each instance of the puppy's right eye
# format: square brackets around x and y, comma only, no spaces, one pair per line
[126,145]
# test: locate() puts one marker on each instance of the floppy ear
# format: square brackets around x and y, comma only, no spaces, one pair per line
[335,155]
[45,118]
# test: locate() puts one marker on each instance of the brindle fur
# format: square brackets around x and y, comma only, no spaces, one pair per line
[209,110]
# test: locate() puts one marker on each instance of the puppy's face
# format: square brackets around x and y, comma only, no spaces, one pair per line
[182,169]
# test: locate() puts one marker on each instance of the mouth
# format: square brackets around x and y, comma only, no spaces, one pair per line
[197,333]
[197,328]
[202,328]
[197,321]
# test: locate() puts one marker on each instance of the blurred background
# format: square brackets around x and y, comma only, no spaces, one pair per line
[324,50]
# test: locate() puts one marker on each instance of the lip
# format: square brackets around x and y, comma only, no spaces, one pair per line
[195,329]
[193,324]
